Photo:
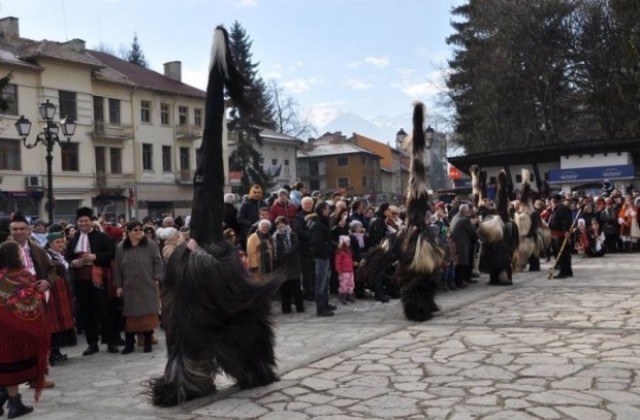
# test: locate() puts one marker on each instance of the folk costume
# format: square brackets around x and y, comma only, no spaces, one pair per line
[529,227]
[500,239]
[60,304]
[560,223]
[24,327]
[216,319]
[414,247]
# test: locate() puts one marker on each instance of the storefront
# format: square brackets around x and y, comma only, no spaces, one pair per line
[26,202]
[589,180]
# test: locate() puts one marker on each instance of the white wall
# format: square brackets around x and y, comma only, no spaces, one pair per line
[598,159]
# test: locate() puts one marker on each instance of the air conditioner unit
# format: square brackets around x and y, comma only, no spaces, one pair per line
[32,181]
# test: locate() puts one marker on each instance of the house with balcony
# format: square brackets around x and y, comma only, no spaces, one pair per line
[279,158]
[135,146]
[335,163]
[166,125]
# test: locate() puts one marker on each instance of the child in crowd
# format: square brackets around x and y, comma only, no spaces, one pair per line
[344,266]
[359,247]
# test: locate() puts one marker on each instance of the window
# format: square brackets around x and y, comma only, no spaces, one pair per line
[10,154]
[183,115]
[519,177]
[364,181]
[286,162]
[116,160]
[343,161]
[343,182]
[314,169]
[70,159]
[114,111]
[147,157]
[314,184]
[185,162]
[98,108]
[166,158]
[274,162]
[286,170]
[197,117]
[67,104]
[10,95]
[164,114]
[100,160]
[145,111]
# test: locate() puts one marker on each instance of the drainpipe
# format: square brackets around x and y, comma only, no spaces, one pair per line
[133,212]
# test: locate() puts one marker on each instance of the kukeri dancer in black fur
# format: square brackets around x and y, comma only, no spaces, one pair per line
[216,319]
[415,248]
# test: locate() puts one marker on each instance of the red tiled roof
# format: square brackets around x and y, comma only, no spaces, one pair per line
[146,78]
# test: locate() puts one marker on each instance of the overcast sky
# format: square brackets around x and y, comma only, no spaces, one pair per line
[372,58]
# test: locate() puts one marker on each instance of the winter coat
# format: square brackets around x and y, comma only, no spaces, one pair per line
[288,210]
[249,213]
[138,270]
[321,245]
[282,257]
[254,256]
[344,260]
[301,228]
[464,236]
[231,217]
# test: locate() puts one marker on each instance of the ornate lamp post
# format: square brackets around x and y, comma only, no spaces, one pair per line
[48,137]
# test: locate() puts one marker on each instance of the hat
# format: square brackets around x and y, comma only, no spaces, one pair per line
[344,240]
[557,197]
[355,223]
[166,233]
[440,205]
[84,212]
[229,198]
[54,235]
[40,222]
[316,194]
[19,217]
[283,191]
[281,219]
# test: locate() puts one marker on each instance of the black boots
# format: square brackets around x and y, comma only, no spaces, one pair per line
[147,341]
[129,343]
[56,357]
[4,396]
[16,408]
[92,349]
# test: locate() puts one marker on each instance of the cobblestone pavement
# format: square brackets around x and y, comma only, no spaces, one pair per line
[543,349]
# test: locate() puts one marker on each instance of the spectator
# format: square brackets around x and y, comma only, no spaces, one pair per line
[344,266]
[322,249]
[39,233]
[282,207]
[263,214]
[307,265]
[137,275]
[231,213]
[297,192]
[285,254]
[249,210]
[260,251]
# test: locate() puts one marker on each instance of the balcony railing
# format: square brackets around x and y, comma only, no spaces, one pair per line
[188,132]
[116,181]
[103,130]
[184,176]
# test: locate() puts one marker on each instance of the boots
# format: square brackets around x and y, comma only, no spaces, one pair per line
[4,396]
[16,408]
[129,343]
[147,341]
[351,298]
[343,298]
[56,357]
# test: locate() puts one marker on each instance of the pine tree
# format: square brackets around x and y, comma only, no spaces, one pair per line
[135,55]
[245,126]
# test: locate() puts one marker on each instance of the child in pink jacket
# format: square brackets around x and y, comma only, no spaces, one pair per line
[344,267]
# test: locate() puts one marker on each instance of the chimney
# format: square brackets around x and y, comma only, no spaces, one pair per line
[76,45]
[173,70]
[9,27]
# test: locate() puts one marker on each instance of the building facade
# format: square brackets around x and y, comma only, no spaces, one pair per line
[135,146]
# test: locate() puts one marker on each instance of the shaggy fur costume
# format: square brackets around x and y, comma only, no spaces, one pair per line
[500,239]
[216,320]
[414,248]
[530,241]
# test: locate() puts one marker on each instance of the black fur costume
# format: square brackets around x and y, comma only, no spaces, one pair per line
[215,318]
[500,239]
[415,248]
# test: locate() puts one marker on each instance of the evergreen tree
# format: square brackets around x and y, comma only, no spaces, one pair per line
[135,54]
[245,126]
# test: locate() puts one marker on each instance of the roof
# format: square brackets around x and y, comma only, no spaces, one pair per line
[381,149]
[547,153]
[331,145]
[274,135]
[123,71]
[34,49]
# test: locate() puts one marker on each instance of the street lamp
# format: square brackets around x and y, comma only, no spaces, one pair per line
[428,135]
[48,137]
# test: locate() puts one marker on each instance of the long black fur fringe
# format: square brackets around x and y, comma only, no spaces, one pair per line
[216,319]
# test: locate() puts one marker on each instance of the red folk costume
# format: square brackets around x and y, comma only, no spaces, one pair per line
[24,330]
[60,303]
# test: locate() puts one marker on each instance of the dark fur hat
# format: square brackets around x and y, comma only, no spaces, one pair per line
[84,212]
[19,217]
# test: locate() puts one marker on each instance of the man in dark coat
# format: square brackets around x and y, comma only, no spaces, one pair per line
[464,236]
[322,249]
[307,265]
[560,224]
[248,213]
[90,253]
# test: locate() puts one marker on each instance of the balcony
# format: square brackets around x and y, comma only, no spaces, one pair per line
[105,131]
[184,176]
[188,132]
[104,180]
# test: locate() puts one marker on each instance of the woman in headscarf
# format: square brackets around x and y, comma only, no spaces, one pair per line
[138,271]
[260,251]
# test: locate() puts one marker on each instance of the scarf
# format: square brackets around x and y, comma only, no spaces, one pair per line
[360,239]
[282,242]
[265,257]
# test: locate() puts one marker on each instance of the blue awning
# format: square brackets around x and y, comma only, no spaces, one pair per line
[595,174]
